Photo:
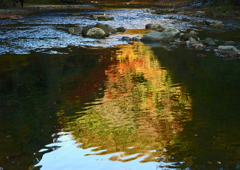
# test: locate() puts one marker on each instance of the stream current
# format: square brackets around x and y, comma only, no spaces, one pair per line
[69,102]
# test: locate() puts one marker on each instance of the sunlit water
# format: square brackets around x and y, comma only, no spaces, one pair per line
[110,105]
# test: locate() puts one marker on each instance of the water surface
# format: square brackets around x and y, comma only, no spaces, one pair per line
[106,104]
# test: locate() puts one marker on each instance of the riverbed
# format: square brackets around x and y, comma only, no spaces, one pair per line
[69,102]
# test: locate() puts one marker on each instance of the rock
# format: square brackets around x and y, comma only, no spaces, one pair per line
[110,29]
[209,22]
[213,23]
[171,32]
[200,21]
[155,27]
[153,36]
[120,29]
[76,14]
[194,44]
[217,25]
[185,19]
[209,41]
[229,54]
[198,14]
[137,38]
[101,17]
[186,36]
[96,33]
[75,30]
[103,27]
[193,32]
[191,41]
[85,30]
[125,38]
[168,39]
[168,17]
[228,48]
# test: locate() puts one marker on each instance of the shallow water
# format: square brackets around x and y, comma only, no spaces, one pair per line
[47,30]
[109,105]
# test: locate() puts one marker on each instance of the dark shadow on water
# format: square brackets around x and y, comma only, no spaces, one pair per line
[211,139]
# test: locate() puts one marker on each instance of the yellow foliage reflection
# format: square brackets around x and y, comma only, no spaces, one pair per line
[141,112]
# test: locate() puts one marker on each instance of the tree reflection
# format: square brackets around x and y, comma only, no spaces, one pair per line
[142,110]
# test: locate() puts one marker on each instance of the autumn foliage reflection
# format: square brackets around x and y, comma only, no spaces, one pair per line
[141,112]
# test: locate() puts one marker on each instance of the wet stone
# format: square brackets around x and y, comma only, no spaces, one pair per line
[153,36]
[120,29]
[75,30]
[186,36]
[209,41]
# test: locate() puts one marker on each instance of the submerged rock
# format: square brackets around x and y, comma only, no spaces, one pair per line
[75,30]
[153,36]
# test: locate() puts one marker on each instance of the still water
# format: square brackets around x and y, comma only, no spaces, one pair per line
[119,106]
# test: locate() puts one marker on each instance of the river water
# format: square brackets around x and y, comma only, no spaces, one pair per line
[69,102]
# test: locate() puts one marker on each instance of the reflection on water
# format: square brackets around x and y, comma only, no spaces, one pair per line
[140,113]
[127,107]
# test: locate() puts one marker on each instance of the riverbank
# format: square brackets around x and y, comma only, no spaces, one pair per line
[19,12]
[225,12]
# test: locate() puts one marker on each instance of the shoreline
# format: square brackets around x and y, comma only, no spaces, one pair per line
[19,12]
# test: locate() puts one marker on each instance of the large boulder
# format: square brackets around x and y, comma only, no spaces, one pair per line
[154,27]
[103,27]
[85,30]
[96,33]
[209,41]
[154,36]
[75,30]
[171,32]
[186,36]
